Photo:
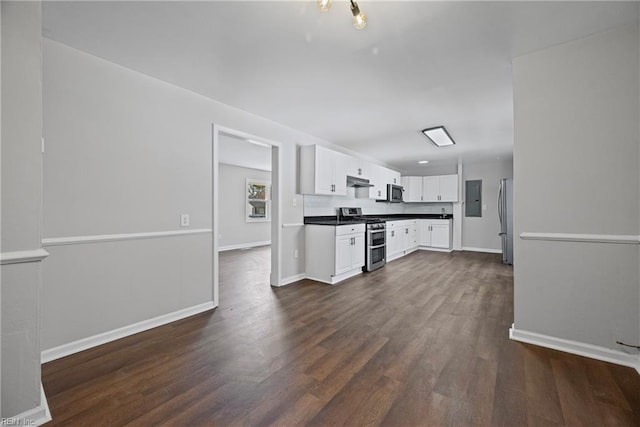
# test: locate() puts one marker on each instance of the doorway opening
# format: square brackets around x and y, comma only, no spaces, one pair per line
[246,212]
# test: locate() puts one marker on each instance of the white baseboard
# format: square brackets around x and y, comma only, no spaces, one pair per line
[394,256]
[486,250]
[243,246]
[576,347]
[125,331]
[334,280]
[33,417]
[292,279]
[429,248]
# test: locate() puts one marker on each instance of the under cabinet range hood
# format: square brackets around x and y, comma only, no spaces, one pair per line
[354,181]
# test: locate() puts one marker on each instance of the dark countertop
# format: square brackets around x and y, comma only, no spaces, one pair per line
[399,217]
[329,220]
[333,220]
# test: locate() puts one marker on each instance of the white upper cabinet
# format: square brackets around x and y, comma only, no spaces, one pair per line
[379,180]
[359,168]
[322,171]
[412,188]
[449,188]
[383,176]
[394,177]
[439,188]
[430,188]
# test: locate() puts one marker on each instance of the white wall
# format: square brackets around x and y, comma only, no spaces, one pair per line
[576,167]
[481,233]
[234,230]
[21,204]
[127,153]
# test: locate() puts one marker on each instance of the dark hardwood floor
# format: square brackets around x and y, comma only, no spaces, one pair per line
[421,342]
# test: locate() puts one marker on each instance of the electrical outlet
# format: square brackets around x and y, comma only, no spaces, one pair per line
[184,220]
[295,253]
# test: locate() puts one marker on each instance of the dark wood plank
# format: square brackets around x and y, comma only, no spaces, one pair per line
[422,341]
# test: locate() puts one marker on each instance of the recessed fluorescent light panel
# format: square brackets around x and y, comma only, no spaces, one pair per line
[439,136]
[423,162]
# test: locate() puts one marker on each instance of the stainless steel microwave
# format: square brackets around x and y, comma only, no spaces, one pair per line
[394,193]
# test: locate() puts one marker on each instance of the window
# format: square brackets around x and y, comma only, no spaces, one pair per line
[258,200]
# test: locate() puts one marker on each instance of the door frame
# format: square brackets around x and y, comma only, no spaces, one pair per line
[276,204]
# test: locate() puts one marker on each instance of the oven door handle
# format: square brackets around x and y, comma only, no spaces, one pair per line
[377,247]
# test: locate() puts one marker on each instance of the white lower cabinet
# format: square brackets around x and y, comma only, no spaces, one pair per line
[333,253]
[402,238]
[435,233]
[395,240]
[349,253]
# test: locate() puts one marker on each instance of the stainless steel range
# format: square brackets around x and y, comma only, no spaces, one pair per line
[375,241]
[375,247]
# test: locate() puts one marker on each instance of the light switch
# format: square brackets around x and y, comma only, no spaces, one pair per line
[484,207]
[184,220]
[295,253]
[294,202]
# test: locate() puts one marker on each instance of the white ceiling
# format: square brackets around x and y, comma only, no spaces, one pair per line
[417,64]
[238,152]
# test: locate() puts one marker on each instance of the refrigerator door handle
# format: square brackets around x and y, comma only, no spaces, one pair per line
[500,204]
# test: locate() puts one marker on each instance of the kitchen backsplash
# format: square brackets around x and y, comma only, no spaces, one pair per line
[328,205]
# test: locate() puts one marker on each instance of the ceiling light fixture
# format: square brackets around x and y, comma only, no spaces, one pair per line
[423,162]
[439,136]
[324,5]
[359,18]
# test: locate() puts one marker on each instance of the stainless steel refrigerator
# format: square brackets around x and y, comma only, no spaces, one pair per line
[505,213]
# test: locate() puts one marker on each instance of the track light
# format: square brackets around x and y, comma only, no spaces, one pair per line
[324,5]
[359,18]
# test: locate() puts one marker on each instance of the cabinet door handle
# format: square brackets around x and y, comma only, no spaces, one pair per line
[359,171]
[406,231]
[393,233]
